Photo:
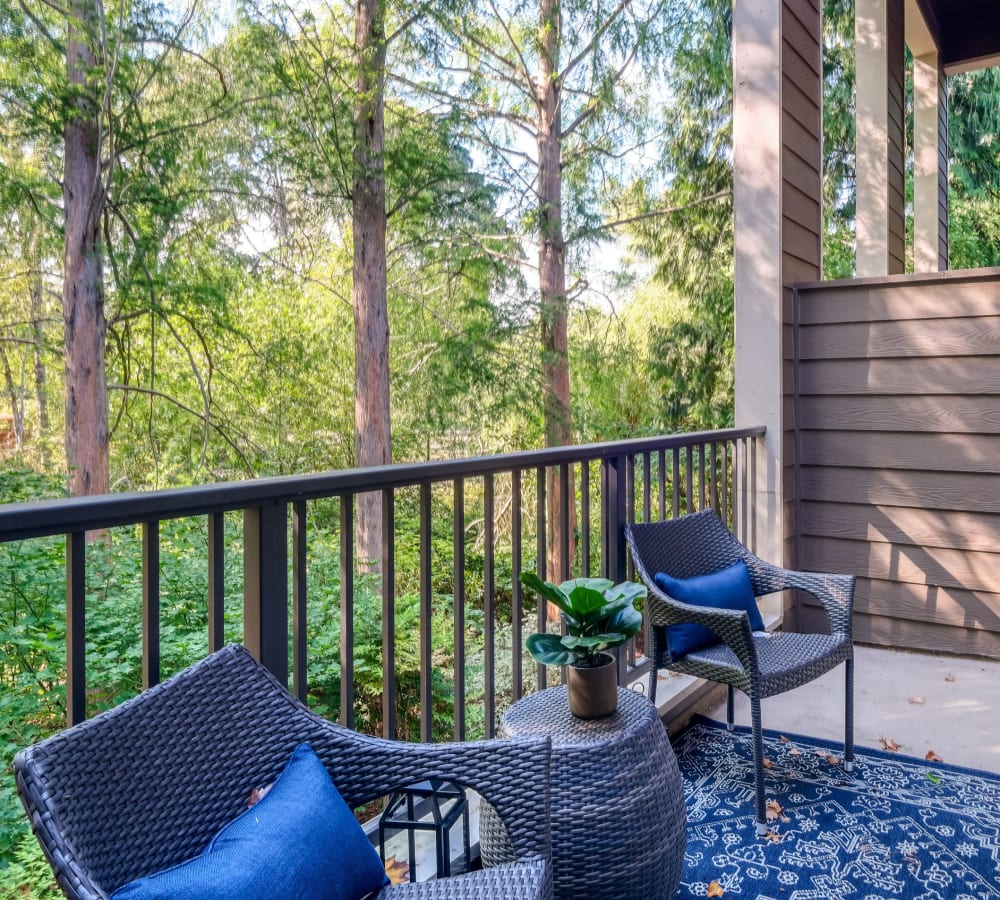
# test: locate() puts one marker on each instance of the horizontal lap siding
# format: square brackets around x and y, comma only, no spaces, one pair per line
[898,450]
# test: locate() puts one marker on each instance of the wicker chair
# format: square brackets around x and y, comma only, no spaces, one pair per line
[147,784]
[757,664]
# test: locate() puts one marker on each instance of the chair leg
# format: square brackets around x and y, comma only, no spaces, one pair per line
[758,764]
[654,657]
[730,707]
[849,716]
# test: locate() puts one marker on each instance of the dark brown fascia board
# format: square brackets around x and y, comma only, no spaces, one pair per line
[967,32]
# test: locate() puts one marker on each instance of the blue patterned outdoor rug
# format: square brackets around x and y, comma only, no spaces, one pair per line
[897,827]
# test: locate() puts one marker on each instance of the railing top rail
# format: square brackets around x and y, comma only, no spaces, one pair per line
[75,514]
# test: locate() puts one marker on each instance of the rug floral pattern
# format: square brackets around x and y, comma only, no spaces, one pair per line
[897,827]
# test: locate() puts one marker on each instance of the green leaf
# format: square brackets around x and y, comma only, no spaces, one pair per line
[594,584]
[586,600]
[548,649]
[627,621]
[594,641]
[629,591]
[547,590]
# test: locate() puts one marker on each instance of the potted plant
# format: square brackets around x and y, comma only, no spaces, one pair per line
[598,615]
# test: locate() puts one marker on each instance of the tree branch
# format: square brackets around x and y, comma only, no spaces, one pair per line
[40,25]
[653,214]
[588,48]
[218,429]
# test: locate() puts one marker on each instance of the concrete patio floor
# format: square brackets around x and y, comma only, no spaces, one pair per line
[959,718]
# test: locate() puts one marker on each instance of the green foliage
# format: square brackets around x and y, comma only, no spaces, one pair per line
[683,223]
[28,874]
[838,139]
[974,168]
[597,613]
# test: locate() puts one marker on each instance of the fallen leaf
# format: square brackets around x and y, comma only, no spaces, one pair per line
[933,757]
[773,810]
[949,677]
[784,740]
[768,764]
[889,744]
[932,778]
[714,890]
[397,870]
[794,751]
[917,700]
[773,836]
[833,760]
[258,794]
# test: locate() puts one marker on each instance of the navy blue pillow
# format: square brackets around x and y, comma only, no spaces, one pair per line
[726,589]
[301,842]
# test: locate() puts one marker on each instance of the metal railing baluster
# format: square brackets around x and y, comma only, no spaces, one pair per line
[426,617]
[347,611]
[76,627]
[388,614]
[150,603]
[216,581]
[489,606]
[299,612]
[458,603]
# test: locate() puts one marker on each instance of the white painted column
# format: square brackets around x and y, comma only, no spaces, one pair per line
[878,31]
[758,273]
[930,161]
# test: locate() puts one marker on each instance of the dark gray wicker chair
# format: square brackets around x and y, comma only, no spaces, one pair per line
[147,784]
[759,665]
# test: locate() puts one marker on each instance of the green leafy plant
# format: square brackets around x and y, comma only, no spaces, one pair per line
[598,614]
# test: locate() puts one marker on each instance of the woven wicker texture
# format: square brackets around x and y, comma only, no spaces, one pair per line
[618,825]
[525,880]
[147,784]
[759,665]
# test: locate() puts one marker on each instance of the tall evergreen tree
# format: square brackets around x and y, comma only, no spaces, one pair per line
[558,96]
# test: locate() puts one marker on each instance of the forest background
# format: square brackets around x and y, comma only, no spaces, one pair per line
[294,237]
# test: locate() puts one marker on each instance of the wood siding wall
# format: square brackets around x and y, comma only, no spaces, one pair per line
[898,413]
[943,150]
[801,213]
[896,187]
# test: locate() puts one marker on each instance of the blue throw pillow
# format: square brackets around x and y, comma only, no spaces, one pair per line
[726,589]
[301,842]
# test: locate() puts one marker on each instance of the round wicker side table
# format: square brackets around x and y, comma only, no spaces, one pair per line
[618,822]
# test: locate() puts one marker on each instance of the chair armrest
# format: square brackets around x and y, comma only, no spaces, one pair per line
[834,592]
[731,625]
[512,775]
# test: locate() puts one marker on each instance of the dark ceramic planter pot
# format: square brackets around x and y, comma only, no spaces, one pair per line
[593,691]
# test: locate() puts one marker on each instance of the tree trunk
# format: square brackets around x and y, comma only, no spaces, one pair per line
[14,438]
[83,277]
[554,306]
[38,336]
[372,429]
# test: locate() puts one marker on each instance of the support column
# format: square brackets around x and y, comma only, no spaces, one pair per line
[881,194]
[777,140]
[930,165]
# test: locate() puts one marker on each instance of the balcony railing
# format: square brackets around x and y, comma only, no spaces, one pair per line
[463,517]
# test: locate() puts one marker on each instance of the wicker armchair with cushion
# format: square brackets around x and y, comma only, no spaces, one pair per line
[704,621]
[156,783]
